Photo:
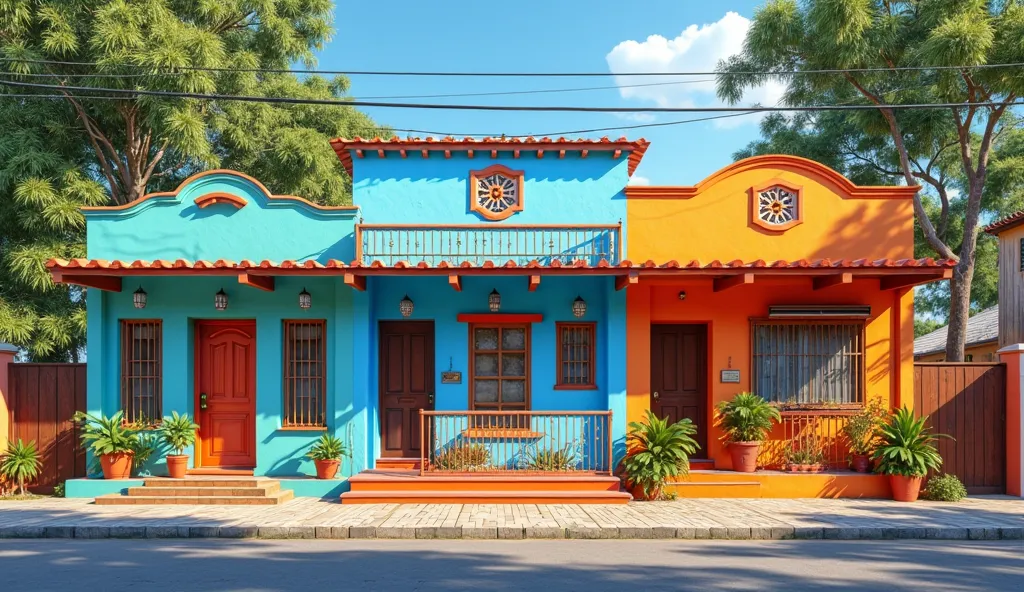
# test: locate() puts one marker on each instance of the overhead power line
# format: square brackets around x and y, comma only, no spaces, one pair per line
[526,108]
[535,74]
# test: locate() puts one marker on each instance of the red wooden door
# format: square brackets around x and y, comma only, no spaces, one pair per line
[406,384]
[679,375]
[226,387]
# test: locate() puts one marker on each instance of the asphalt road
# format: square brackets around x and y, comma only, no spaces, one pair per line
[590,566]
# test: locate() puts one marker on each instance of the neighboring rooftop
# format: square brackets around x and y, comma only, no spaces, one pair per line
[981,328]
[1012,221]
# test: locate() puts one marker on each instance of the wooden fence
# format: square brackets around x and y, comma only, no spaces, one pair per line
[968,402]
[43,399]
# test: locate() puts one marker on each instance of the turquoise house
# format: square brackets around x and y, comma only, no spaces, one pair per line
[469,302]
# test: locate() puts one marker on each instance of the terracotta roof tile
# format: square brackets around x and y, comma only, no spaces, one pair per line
[1011,221]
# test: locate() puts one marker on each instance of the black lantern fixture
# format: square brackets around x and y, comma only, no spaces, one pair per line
[139,298]
[305,300]
[579,307]
[405,306]
[220,300]
[494,301]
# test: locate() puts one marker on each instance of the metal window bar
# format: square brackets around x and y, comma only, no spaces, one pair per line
[808,363]
[141,370]
[478,243]
[516,442]
[304,374]
[576,354]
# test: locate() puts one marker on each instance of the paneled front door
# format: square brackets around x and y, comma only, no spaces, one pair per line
[226,394]
[406,384]
[679,376]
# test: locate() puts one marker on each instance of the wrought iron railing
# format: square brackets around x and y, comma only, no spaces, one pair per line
[516,442]
[477,243]
[819,432]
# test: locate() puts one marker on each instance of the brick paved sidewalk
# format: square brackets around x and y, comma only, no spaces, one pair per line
[975,518]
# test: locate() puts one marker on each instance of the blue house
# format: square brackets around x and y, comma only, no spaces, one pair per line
[465,314]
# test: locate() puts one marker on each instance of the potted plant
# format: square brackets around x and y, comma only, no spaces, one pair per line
[20,463]
[178,432]
[746,419]
[906,452]
[111,440]
[656,452]
[326,454]
[861,430]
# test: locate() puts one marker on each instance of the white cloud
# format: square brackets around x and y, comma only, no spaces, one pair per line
[638,180]
[637,117]
[696,49]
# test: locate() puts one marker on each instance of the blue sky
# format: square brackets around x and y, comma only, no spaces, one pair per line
[548,36]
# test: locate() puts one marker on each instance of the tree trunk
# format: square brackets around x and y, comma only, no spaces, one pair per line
[21,486]
[959,309]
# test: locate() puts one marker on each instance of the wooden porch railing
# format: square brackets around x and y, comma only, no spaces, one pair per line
[515,442]
[817,431]
[477,243]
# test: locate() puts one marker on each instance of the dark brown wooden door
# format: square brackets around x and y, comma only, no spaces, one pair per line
[226,386]
[406,384]
[679,375]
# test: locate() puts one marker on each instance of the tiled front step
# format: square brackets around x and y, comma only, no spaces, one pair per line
[485,497]
[273,499]
[379,480]
[232,482]
[151,491]
[711,489]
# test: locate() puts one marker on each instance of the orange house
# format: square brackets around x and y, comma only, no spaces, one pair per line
[775,275]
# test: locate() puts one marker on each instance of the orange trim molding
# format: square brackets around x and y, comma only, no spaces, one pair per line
[500,318]
[803,165]
[211,199]
[755,205]
[496,192]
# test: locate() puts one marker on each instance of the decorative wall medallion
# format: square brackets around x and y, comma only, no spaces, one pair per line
[776,205]
[496,192]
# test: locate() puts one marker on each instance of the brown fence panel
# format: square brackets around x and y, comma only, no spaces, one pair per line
[43,399]
[968,402]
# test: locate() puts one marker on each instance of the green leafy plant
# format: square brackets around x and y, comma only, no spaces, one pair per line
[20,463]
[107,435]
[178,432]
[567,458]
[328,447]
[862,429]
[906,447]
[945,488]
[658,451]
[746,418]
[463,457]
[145,446]
[59,490]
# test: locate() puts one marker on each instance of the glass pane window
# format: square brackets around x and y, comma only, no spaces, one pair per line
[501,367]
[576,355]
[141,370]
[305,382]
[808,364]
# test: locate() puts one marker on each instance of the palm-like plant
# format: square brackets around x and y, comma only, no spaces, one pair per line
[328,447]
[658,451]
[20,463]
[906,447]
[107,435]
[178,432]
[746,418]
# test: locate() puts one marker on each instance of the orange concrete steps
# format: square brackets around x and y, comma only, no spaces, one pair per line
[398,463]
[379,480]
[778,484]
[234,482]
[272,499]
[712,489]
[219,472]
[485,497]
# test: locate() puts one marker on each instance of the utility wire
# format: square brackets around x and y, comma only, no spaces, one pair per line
[529,108]
[542,74]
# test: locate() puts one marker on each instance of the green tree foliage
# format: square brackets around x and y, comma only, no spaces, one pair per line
[58,154]
[920,145]
[925,326]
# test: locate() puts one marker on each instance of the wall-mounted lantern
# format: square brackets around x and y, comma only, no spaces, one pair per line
[579,307]
[405,306]
[305,300]
[494,301]
[139,298]
[220,300]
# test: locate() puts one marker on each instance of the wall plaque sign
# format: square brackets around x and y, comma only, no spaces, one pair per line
[730,376]
[451,377]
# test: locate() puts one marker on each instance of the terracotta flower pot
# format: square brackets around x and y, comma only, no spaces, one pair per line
[744,456]
[805,468]
[326,469]
[638,493]
[861,463]
[905,489]
[177,465]
[117,465]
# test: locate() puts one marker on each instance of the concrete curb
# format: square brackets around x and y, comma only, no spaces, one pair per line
[507,532]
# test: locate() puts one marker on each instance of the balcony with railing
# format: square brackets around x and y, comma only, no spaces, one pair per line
[477,243]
